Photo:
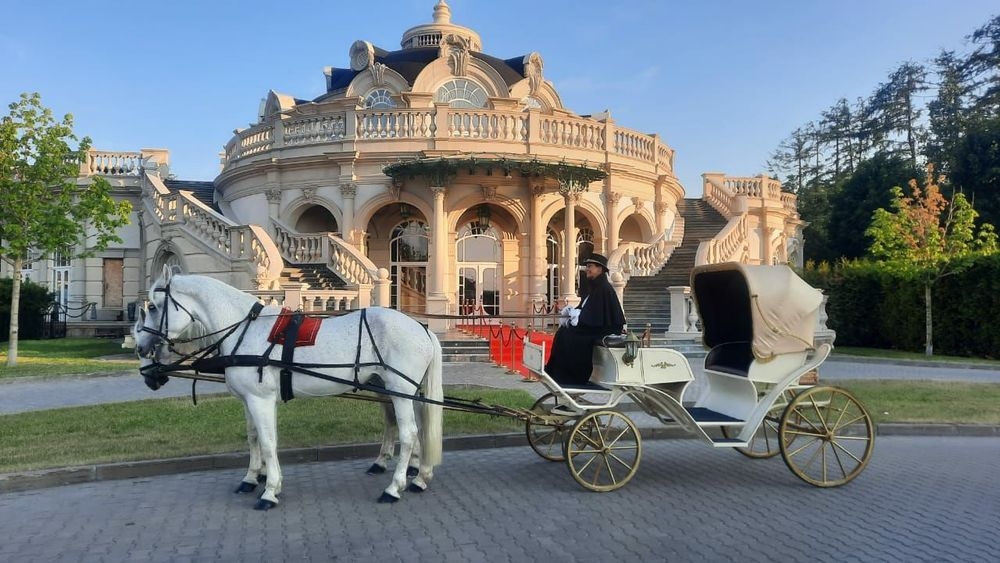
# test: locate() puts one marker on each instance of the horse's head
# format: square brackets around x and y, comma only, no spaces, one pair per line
[161,320]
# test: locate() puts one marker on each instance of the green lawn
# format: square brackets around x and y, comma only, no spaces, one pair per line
[66,356]
[162,428]
[902,355]
[928,401]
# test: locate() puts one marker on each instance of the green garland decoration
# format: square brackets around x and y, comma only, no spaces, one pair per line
[440,171]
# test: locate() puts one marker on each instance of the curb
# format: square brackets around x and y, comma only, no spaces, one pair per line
[47,478]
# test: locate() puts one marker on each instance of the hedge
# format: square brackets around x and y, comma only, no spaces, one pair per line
[35,300]
[879,305]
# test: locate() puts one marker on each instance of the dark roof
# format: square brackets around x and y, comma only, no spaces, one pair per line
[203,191]
[409,62]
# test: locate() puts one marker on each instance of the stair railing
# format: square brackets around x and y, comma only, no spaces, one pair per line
[646,258]
[246,247]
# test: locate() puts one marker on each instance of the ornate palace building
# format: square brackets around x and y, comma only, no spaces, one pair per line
[433,178]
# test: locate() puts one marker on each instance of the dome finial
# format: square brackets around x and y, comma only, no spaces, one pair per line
[442,13]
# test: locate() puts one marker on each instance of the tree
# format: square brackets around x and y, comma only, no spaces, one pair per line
[856,197]
[975,163]
[925,232]
[983,66]
[42,207]
[946,112]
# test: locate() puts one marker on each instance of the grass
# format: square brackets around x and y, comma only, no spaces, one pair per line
[65,356]
[163,428]
[928,401]
[903,355]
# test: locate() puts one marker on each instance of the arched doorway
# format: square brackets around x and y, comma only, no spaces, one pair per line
[316,219]
[408,254]
[479,269]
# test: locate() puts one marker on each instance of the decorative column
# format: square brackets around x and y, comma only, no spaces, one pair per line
[273,206]
[569,271]
[437,301]
[536,267]
[611,207]
[348,191]
[765,251]
[661,209]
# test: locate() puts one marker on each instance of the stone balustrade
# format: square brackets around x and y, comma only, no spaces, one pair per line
[646,258]
[726,246]
[326,248]
[227,240]
[509,132]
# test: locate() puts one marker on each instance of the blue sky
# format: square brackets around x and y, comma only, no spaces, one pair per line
[722,82]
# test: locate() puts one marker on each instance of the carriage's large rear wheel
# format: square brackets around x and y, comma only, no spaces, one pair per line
[764,443]
[603,450]
[548,441]
[826,436]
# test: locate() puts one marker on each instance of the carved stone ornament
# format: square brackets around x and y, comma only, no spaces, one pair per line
[394,190]
[456,49]
[362,55]
[378,73]
[533,66]
[489,193]
[613,197]
[309,194]
[273,195]
[538,190]
[661,207]
[348,190]
[638,203]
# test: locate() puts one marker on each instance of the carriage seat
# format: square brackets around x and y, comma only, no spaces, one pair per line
[733,358]
[612,341]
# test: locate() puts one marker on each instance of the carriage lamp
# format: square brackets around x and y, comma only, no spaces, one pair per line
[483,216]
[404,211]
[631,349]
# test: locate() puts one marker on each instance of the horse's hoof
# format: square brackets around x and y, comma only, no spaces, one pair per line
[375,469]
[387,498]
[412,472]
[262,479]
[414,488]
[245,487]
[263,504]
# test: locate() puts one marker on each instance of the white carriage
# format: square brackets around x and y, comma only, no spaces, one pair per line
[758,324]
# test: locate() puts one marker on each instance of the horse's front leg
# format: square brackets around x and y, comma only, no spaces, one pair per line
[407,438]
[388,440]
[256,472]
[263,411]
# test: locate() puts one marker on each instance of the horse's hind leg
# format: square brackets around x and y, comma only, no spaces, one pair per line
[256,472]
[407,438]
[388,440]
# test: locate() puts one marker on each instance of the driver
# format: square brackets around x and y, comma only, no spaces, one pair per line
[598,315]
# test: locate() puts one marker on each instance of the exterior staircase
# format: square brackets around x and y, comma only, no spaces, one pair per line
[318,276]
[646,299]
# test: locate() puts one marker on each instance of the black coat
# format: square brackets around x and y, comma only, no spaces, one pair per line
[601,314]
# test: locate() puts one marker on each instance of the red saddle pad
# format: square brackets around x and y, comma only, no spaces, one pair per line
[307,332]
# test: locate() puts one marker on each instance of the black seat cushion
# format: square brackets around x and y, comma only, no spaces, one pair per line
[612,341]
[733,358]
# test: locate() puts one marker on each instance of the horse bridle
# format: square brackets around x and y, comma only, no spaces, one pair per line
[164,318]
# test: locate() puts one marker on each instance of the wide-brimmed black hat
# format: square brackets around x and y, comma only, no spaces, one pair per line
[597,259]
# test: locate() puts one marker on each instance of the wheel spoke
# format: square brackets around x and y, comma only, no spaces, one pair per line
[846,451]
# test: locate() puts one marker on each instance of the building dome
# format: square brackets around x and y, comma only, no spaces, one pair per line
[431,34]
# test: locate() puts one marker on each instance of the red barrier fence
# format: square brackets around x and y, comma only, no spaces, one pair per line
[507,343]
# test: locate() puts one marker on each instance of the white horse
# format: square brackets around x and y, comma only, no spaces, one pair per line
[399,350]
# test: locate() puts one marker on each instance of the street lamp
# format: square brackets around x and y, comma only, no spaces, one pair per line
[483,216]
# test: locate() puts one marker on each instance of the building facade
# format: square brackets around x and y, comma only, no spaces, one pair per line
[433,178]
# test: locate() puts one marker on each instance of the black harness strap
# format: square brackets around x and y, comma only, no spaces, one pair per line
[288,354]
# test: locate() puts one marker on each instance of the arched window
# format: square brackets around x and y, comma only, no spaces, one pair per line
[461,93]
[409,242]
[379,98]
[408,266]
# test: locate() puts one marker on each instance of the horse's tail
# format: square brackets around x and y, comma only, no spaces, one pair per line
[431,429]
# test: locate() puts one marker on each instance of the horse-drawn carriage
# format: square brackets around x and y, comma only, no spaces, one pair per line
[757,321]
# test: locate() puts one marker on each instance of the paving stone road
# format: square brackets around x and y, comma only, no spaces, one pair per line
[921,499]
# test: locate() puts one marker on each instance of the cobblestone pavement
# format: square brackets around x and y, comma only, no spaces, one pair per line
[921,499]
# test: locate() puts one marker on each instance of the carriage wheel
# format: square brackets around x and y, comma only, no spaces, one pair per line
[603,450]
[826,436]
[764,443]
[548,441]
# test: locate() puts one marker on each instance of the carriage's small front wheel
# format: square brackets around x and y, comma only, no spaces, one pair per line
[764,443]
[548,441]
[603,450]
[826,436]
